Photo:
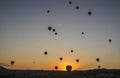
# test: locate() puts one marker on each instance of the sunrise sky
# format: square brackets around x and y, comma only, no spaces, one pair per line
[24,34]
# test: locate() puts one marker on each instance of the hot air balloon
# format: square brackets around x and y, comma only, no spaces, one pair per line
[70,2]
[56,67]
[12,62]
[99,66]
[97,59]
[77,60]
[69,68]
[89,13]
[45,53]
[77,7]
[82,33]
[56,33]
[61,58]
[110,40]
[48,11]
[53,30]
[71,51]
[49,28]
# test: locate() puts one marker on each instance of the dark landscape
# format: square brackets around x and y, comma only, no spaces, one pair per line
[95,73]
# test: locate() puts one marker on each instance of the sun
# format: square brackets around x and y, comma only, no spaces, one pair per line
[63,68]
[67,68]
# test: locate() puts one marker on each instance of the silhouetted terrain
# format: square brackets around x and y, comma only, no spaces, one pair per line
[97,73]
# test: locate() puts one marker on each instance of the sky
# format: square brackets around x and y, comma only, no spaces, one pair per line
[24,34]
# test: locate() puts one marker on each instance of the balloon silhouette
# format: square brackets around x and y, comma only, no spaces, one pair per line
[89,13]
[48,11]
[68,67]
[99,66]
[12,62]
[110,40]
[53,30]
[77,60]
[77,7]
[56,67]
[49,28]
[82,33]
[71,51]
[56,33]
[45,53]
[97,59]
[61,58]
[70,2]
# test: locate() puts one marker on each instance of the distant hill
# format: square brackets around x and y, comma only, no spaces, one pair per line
[95,73]
[3,68]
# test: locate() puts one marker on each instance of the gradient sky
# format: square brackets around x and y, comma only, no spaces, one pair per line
[24,35]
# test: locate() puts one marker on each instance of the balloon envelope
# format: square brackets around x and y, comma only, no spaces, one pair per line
[77,60]
[77,7]
[12,62]
[110,40]
[56,33]
[70,2]
[97,59]
[82,33]
[48,11]
[89,13]
[56,67]
[71,51]
[68,67]
[99,66]
[53,30]
[49,28]
[45,53]
[61,58]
